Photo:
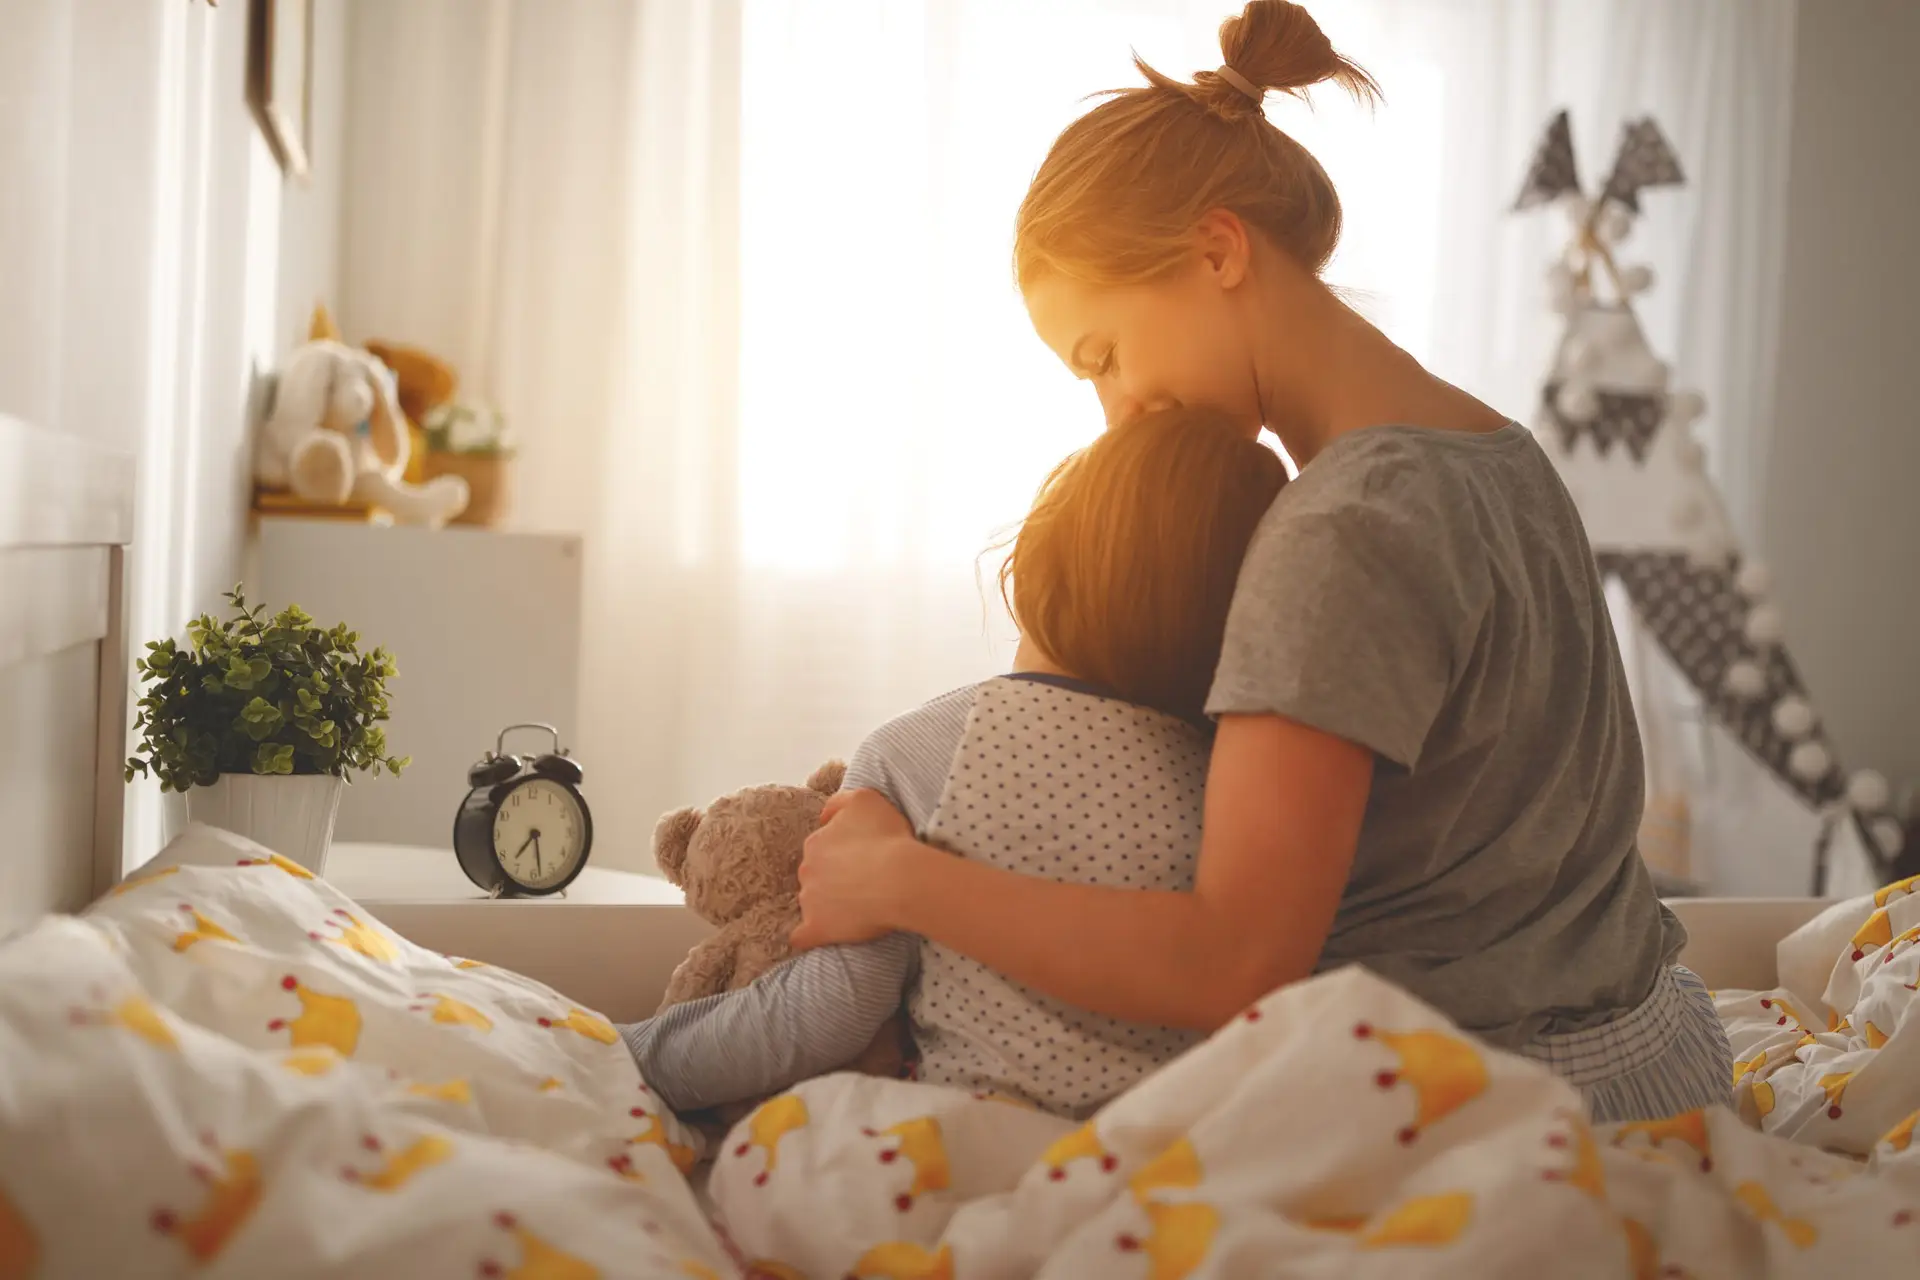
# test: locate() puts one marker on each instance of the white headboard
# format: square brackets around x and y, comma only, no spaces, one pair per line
[66,520]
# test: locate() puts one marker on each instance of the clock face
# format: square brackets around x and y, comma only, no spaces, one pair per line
[540,833]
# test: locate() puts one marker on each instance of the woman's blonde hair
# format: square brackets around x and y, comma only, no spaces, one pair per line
[1123,570]
[1118,197]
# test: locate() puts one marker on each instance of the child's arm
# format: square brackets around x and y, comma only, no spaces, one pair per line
[816,1012]
[808,1016]
[1283,810]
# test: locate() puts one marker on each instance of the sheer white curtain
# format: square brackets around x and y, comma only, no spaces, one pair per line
[740,270]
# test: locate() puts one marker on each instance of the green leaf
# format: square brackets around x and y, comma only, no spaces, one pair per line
[271,692]
[272,758]
[260,711]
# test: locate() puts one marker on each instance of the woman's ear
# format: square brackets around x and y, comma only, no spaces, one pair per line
[1226,247]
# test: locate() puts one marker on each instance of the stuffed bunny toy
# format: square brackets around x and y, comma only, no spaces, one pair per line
[335,434]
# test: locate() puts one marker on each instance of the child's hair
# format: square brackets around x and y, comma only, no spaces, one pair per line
[1123,570]
[1118,197]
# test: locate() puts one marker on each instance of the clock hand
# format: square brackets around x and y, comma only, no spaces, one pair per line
[523,846]
[537,868]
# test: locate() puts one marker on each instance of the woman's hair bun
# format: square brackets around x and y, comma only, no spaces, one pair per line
[1278,47]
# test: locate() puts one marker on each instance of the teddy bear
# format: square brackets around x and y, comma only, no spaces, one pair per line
[739,864]
[335,434]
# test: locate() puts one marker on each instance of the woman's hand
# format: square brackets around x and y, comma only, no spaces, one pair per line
[852,869]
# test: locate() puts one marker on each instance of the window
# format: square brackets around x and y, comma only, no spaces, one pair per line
[896,408]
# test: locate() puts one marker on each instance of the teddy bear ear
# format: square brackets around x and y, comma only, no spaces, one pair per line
[672,837]
[827,778]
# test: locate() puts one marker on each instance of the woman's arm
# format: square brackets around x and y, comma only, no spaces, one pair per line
[1284,805]
[808,1016]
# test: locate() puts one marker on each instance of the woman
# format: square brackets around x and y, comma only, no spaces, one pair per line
[1426,759]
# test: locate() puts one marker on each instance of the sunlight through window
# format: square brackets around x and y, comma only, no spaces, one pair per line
[897,410]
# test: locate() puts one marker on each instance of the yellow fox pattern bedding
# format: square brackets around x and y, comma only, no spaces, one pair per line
[227,1069]
[1831,1058]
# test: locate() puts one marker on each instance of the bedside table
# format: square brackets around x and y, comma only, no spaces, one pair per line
[609,942]
[414,873]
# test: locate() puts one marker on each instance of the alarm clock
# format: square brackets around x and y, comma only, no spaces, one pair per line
[524,829]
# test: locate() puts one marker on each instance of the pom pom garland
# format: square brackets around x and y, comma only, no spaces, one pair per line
[1868,792]
[1745,680]
[1754,580]
[1809,762]
[1793,717]
[1765,625]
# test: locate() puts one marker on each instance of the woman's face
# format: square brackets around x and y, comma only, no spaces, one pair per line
[1177,341]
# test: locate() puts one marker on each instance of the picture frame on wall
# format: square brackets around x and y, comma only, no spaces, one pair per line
[279,79]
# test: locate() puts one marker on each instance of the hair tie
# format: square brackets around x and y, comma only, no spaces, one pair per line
[1241,83]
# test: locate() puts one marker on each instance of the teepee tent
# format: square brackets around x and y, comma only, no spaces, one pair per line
[1619,430]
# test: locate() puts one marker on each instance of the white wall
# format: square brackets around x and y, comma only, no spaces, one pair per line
[142,237]
[310,212]
[1842,505]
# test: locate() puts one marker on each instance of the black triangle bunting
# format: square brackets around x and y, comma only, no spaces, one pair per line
[1644,160]
[1621,417]
[1552,173]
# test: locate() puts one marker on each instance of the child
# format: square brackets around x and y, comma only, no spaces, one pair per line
[1120,581]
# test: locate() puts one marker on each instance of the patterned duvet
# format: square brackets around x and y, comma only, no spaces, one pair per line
[228,1069]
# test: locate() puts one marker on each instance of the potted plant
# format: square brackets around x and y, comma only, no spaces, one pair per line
[261,721]
[471,440]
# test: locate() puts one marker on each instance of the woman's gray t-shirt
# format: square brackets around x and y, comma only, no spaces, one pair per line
[1431,595]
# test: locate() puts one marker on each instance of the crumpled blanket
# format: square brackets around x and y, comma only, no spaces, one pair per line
[226,1068]
[232,1070]
[1338,1128]
[1831,1058]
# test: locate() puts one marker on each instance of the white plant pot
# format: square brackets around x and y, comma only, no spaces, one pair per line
[292,816]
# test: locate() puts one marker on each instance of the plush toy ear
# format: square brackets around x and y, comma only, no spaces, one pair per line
[672,837]
[387,426]
[827,778]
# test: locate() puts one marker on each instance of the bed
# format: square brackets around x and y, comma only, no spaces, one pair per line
[223,1066]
